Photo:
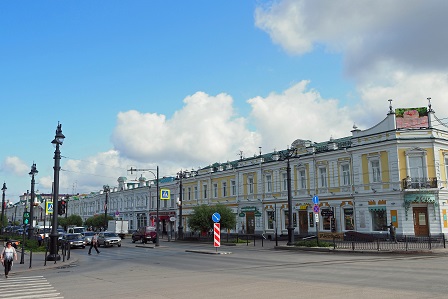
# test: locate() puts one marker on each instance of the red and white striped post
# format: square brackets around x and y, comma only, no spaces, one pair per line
[217,234]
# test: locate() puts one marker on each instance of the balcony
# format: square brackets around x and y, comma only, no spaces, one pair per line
[419,183]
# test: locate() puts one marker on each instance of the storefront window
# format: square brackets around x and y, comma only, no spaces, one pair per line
[326,214]
[270,216]
[294,219]
[379,220]
[348,219]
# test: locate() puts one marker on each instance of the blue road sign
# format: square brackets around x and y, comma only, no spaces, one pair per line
[216,217]
[315,199]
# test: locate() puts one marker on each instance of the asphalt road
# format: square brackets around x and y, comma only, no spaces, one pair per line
[169,271]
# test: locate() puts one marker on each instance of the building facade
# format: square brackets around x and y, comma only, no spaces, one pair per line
[395,172]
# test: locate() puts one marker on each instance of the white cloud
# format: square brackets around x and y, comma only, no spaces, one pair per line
[408,33]
[205,130]
[16,166]
[298,113]
[392,50]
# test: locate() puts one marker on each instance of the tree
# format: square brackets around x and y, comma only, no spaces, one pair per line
[97,221]
[201,218]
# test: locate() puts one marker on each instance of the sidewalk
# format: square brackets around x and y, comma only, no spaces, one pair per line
[38,263]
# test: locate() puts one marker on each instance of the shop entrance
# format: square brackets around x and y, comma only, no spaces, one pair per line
[421,227]
[250,222]
[303,222]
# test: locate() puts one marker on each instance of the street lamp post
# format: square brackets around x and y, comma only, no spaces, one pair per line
[157,198]
[3,203]
[32,173]
[180,229]
[57,141]
[287,155]
[106,190]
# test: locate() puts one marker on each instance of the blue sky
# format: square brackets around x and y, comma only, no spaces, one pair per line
[183,84]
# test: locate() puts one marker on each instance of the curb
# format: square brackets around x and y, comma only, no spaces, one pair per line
[208,251]
[38,264]
[347,251]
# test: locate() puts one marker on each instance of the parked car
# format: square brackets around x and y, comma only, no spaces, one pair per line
[88,237]
[109,239]
[145,234]
[75,240]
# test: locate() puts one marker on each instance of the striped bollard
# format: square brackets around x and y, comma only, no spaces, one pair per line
[217,235]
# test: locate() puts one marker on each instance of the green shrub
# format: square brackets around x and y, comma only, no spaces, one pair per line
[313,243]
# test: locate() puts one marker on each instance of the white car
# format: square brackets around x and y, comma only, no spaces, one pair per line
[109,239]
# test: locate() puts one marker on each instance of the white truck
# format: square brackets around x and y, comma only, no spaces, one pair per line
[121,227]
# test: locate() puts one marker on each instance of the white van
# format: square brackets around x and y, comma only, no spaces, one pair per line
[76,230]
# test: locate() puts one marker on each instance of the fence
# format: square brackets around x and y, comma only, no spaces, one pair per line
[373,242]
[402,243]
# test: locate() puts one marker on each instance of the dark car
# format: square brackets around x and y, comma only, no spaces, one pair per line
[75,240]
[109,239]
[145,234]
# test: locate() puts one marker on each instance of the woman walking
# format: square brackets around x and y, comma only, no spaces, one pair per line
[8,254]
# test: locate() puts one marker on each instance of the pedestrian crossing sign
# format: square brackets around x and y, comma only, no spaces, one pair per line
[165,194]
[49,208]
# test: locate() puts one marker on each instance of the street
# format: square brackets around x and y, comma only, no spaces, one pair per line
[169,271]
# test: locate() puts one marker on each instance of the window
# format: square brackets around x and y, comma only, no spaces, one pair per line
[323,176]
[348,219]
[416,169]
[215,190]
[345,169]
[268,188]
[205,191]
[224,189]
[195,192]
[233,187]
[376,173]
[250,182]
[379,220]
[326,214]
[271,218]
[294,219]
[189,193]
[285,182]
[446,167]
[302,179]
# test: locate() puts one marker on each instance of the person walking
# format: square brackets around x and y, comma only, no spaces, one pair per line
[8,254]
[94,244]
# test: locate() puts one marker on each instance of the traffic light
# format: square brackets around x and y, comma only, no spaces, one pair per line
[61,207]
[26,218]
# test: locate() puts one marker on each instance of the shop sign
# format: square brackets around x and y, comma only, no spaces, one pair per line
[248,209]
[257,214]
[302,207]
[326,213]
[419,197]
[242,214]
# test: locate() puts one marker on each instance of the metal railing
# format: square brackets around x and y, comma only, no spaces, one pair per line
[419,183]
[402,243]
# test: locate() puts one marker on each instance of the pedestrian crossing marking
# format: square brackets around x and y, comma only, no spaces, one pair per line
[27,287]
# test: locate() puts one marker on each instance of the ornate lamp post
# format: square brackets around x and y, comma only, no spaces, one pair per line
[3,203]
[106,190]
[32,173]
[180,229]
[57,141]
[289,153]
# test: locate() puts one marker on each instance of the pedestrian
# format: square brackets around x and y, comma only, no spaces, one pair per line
[94,244]
[393,233]
[8,254]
